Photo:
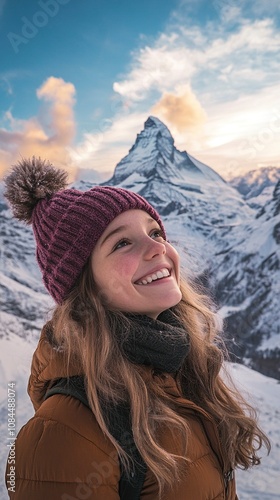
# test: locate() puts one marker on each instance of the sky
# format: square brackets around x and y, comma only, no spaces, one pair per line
[78,79]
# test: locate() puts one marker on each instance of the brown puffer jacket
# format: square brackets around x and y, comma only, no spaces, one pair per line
[61,453]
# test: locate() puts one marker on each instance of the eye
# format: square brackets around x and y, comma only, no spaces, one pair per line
[120,244]
[157,233]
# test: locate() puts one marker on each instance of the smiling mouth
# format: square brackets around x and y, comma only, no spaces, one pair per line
[158,275]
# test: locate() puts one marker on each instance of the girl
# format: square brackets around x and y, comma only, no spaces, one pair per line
[125,381]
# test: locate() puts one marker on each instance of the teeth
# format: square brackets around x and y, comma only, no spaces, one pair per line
[163,273]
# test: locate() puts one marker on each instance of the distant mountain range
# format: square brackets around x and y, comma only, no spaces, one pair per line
[228,235]
[253,183]
[257,185]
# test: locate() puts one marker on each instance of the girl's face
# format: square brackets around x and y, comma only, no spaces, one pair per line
[135,268]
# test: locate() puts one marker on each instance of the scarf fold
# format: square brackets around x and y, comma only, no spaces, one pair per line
[162,343]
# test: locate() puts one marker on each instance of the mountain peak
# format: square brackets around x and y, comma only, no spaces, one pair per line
[154,127]
[152,121]
[154,157]
[158,125]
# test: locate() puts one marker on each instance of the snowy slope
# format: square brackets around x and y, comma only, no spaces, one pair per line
[16,355]
[263,482]
[23,298]
[247,278]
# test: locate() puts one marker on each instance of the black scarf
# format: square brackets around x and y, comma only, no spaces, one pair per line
[162,343]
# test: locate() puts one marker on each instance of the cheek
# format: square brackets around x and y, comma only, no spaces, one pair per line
[114,280]
[124,268]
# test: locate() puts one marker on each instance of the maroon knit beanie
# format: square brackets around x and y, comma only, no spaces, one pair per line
[66,222]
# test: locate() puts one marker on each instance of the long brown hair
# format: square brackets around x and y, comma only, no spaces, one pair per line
[84,325]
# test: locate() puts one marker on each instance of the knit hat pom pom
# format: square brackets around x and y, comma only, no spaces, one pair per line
[29,181]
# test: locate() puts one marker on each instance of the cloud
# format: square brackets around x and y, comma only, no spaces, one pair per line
[238,135]
[160,68]
[230,13]
[6,84]
[260,8]
[191,77]
[182,57]
[104,148]
[7,78]
[183,110]
[219,65]
[166,79]
[61,95]
[48,135]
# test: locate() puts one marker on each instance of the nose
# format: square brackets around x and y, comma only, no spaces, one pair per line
[153,248]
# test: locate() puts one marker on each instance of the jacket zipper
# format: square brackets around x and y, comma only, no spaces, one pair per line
[228,476]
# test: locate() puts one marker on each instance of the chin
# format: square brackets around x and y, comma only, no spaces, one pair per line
[174,299]
[170,303]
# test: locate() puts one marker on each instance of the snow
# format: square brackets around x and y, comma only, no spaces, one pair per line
[261,482]
[259,201]
[256,185]
[262,241]
[15,361]
[207,171]
[270,343]
[16,355]
[226,310]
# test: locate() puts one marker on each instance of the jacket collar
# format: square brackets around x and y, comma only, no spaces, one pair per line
[48,363]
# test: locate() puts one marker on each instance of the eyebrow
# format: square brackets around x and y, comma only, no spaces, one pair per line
[121,228]
[115,231]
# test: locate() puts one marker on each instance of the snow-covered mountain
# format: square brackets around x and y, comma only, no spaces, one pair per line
[23,298]
[257,185]
[233,246]
[247,283]
[176,182]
